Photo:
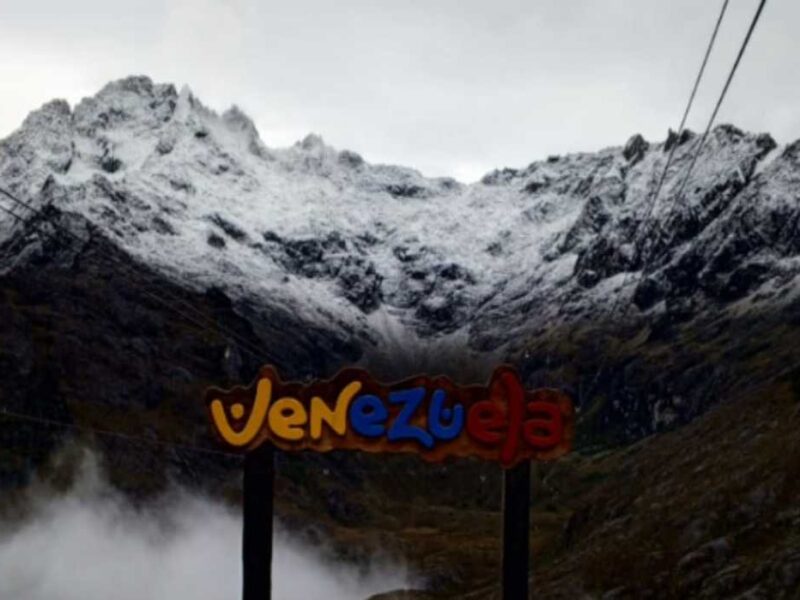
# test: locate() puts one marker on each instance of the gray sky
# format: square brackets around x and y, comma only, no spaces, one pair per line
[451,87]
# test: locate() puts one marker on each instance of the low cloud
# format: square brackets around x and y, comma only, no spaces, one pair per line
[91,544]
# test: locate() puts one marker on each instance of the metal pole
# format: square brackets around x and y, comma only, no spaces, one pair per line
[259,478]
[516,528]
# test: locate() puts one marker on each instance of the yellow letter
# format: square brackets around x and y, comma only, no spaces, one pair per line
[286,418]
[254,422]
[336,419]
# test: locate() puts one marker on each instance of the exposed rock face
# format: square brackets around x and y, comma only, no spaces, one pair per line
[647,309]
[635,149]
[88,334]
[509,264]
[330,258]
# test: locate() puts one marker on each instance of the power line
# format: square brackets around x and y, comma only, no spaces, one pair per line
[12,213]
[131,281]
[652,204]
[652,198]
[655,195]
[4,412]
[232,336]
[23,221]
[220,329]
[722,95]
[701,142]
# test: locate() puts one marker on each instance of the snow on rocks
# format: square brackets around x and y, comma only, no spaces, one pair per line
[200,196]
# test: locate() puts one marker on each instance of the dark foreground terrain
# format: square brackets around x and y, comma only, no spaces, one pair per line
[150,248]
[709,510]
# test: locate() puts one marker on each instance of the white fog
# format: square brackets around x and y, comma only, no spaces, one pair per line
[91,544]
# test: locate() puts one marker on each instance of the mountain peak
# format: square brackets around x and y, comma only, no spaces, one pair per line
[54,112]
[367,248]
[131,101]
[140,159]
[236,118]
[312,141]
[141,85]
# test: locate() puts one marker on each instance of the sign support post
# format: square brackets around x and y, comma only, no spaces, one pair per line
[431,416]
[516,526]
[259,479]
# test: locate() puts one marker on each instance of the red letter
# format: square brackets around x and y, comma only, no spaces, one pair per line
[483,420]
[546,433]
[515,396]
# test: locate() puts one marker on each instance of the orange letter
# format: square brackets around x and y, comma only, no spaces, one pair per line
[335,418]
[286,418]
[254,422]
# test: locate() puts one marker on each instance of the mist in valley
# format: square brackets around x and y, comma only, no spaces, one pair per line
[93,544]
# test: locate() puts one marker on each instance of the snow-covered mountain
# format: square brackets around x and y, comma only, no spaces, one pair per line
[368,250]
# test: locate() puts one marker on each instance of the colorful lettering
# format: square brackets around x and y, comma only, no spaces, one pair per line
[438,413]
[335,418]
[402,429]
[368,416]
[286,418]
[430,416]
[254,423]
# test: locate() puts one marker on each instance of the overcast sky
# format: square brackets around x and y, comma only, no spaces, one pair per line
[451,87]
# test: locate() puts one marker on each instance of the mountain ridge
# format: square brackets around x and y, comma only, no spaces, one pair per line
[567,248]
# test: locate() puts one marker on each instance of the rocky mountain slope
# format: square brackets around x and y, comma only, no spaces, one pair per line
[174,250]
[707,511]
[549,266]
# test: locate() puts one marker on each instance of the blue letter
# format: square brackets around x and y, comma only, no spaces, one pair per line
[367,415]
[402,429]
[437,413]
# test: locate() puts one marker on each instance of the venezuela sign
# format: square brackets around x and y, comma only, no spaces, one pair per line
[430,416]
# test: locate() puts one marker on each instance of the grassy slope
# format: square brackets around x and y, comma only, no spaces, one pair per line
[632,516]
[709,510]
